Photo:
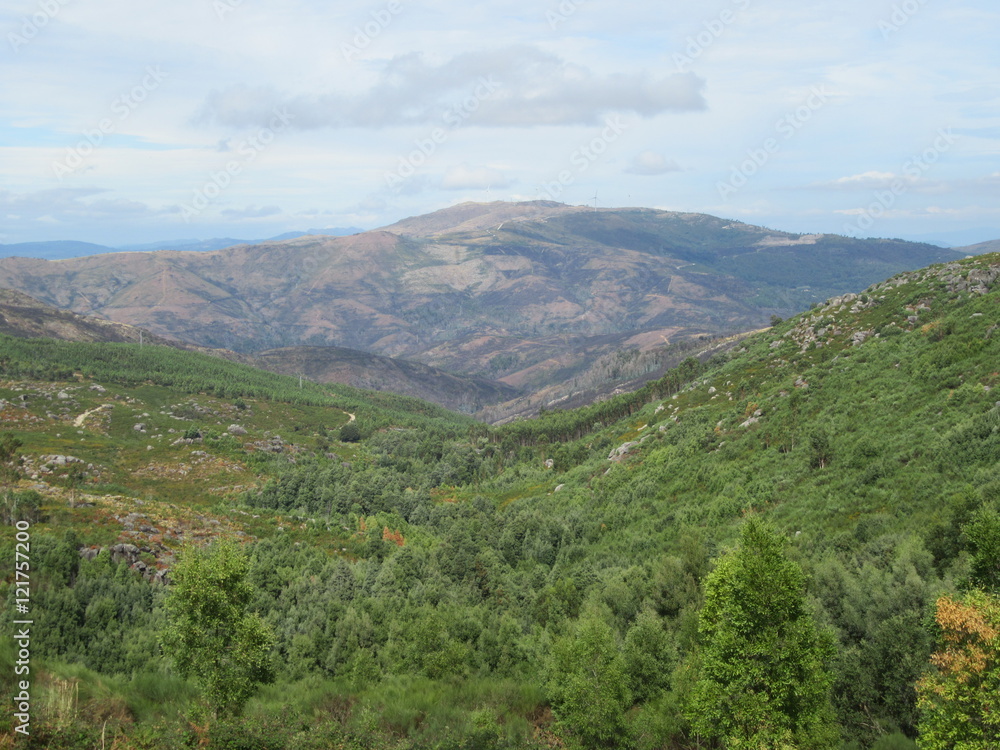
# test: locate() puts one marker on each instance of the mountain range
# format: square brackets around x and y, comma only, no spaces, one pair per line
[530,294]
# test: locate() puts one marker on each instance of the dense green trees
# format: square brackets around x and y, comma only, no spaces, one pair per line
[763,679]
[983,534]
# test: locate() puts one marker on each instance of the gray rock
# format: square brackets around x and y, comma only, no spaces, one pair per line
[622,450]
[861,336]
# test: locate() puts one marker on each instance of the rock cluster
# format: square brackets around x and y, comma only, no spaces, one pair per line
[131,556]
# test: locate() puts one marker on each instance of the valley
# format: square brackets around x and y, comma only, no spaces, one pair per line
[427,580]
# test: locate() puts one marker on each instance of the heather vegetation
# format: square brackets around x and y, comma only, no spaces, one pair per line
[793,545]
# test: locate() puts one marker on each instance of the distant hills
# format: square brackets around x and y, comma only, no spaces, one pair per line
[25,317]
[981,248]
[526,293]
[63,249]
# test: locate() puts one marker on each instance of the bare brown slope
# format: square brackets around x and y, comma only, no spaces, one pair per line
[981,248]
[27,318]
[472,217]
[331,364]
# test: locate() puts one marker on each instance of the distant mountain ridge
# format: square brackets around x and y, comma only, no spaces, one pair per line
[25,317]
[22,316]
[527,293]
[64,249]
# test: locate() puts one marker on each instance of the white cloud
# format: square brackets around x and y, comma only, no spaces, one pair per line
[871,180]
[71,204]
[520,86]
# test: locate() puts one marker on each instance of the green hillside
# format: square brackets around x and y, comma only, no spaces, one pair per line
[621,575]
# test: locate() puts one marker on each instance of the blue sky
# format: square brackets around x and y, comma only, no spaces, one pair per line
[127,122]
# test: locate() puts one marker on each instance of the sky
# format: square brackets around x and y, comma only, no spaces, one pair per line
[126,122]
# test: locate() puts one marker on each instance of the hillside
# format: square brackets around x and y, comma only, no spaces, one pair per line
[981,248]
[112,423]
[426,585]
[334,364]
[508,291]
[22,316]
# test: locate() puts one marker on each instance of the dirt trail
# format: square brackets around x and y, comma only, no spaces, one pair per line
[350,415]
[78,422]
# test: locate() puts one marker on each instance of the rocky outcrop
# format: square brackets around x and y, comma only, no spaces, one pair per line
[131,556]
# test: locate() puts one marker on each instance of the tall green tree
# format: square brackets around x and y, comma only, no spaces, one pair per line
[211,635]
[588,684]
[763,680]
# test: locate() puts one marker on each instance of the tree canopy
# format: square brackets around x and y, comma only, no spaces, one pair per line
[763,681]
[211,635]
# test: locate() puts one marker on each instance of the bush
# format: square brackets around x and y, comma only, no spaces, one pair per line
[249,734]
[20,506]
[894,741]
[350,433]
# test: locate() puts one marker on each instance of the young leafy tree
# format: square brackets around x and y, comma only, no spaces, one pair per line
[350,433]
[211,635]
[959,698]
[650,655]
[763,681]
[588,685]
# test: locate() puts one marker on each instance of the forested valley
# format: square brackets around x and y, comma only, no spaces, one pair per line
[795,544]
